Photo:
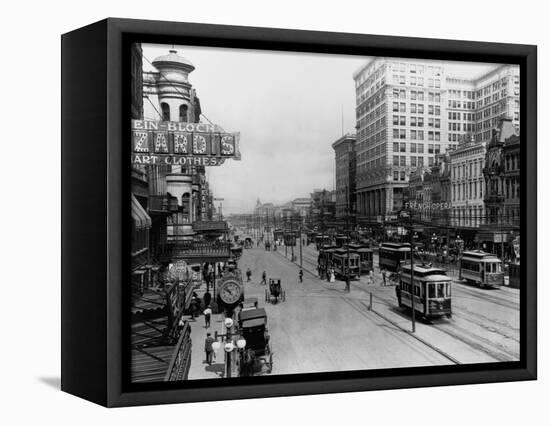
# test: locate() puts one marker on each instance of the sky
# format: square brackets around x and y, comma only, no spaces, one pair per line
[288,107]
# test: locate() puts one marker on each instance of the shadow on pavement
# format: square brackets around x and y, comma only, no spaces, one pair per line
[218,369]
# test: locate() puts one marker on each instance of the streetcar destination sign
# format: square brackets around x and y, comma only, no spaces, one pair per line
[177,143]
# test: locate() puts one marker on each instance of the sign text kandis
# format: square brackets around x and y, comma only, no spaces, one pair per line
[182,144]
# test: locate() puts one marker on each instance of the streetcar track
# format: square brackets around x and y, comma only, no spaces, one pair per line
[497,352]
[419,339]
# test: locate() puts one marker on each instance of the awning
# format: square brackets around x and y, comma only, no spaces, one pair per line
[139,214]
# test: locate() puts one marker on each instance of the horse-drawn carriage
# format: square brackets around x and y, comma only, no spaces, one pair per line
[256,358]
[275,291]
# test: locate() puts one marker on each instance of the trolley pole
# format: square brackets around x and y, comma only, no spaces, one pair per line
[411,239]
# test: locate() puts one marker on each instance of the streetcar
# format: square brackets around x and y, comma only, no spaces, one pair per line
[392,255]
[482,268]
[345,262]
[432,290]
[321,240]
[341,240]
[325,259]
[365,256]
[278,234]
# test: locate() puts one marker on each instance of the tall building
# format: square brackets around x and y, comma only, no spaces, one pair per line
[344,152]
[409,111]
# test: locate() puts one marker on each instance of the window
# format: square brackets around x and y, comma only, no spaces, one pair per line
[183,113]
[420,161]
[402,107]
[430,161]
[437,136]
[430,138]
[395,175]
[402,161]
[396,160]
[413,147]
[402,147]
[421,135]
[413,96]
[430,148]
[420,148]
[421,108]
[420,122]
[402,134]
[413,121]
[413,134]
[420,94]
[402,176]
[402,121]
[437,148]
[396,133]
[430,122]
[430,109]
[165,108]
[437,123]
[413,108]
[395,120]
[396,106]
[413,161]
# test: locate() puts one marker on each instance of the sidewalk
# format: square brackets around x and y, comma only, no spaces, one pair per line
[199,368]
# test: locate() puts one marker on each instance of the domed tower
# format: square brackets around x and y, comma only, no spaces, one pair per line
[175,94]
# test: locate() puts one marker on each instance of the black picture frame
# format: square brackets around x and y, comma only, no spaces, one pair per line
[95,184]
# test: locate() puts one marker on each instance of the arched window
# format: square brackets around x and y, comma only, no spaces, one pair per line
[165,108]
[183,113]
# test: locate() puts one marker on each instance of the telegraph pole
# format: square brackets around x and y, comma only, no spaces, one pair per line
[411,240]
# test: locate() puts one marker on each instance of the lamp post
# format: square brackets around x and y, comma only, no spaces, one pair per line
[229,344]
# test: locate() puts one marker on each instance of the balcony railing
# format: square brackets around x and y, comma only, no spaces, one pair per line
[178,368]
[210,226]
[196,250]
[162,204]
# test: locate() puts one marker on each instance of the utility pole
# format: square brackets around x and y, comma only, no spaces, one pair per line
[300,244]
[347,245]
[411,240]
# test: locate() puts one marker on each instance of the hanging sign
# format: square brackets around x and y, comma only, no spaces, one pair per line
[182,144]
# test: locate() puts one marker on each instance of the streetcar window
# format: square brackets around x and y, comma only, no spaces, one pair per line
[440,290]
[448,289]
[498,267]
[431,291]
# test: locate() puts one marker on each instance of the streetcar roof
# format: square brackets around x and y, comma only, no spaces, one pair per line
[424,270]
[395,245]
[344,253]
[479,254]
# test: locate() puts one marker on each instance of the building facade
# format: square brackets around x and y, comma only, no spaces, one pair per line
[345,159]
[409,111]
[467,184]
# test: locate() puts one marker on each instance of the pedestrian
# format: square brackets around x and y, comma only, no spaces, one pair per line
[207,298]
[264,276]
[371,277]
[248,274]
[384,276]
[332,275]
[207,314]
[208,349]
[301,275]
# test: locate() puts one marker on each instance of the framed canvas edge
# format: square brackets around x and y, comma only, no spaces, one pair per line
[117,28]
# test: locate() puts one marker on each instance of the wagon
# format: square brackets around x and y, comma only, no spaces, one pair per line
[256,358]
[275,291]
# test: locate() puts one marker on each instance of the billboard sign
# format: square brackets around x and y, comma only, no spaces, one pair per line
[182,144]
